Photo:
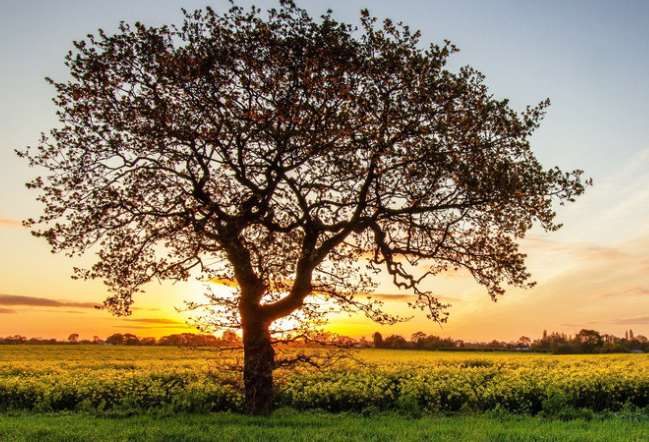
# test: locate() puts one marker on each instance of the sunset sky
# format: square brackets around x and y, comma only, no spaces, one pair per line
[591,58]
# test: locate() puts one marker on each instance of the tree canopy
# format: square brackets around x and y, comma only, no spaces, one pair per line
[293,158]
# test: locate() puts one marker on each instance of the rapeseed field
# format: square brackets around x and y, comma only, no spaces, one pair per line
[102,378]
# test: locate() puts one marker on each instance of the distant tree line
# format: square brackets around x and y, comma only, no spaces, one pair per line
[586,341]
[227,339]
[590,341]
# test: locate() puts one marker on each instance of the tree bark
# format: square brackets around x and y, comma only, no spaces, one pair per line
[259,360]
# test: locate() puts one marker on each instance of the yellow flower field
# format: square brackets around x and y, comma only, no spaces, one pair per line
[135,378]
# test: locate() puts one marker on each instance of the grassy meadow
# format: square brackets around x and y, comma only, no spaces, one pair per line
[292,426]
[79,393]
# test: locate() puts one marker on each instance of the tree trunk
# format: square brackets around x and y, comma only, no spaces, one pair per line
[258,364]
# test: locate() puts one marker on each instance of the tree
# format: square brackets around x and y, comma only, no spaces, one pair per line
[73,338]
[290,159]
[395,342]
[589,340]
[230,338]
[148,341]
[377,340]
[524,341]
[417,339]
[116,339]
[16,339]
[130,339]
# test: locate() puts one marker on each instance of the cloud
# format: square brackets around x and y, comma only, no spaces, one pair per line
[144,327]
[390,297]
[629,321]
[637,291]
[405,297]
[377,296]
[7,310]
[34,301]
[590,252]
[631,291]
[155,321]
[65,311]
[534,243]
[10,223]
[224,282]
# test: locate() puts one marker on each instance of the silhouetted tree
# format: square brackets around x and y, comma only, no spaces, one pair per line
[116,339]
[432,342]
[73,338]
[589,340]
[15,339]
[276,154]
[131,339]
[364,343]
[552,343]
[395,342]
[524,341]
[417,339]
[377,340]
[148,341]
[230,338]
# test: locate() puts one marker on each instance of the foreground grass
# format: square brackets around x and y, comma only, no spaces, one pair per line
[288,425]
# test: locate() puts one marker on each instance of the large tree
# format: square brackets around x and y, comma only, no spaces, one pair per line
[293,158]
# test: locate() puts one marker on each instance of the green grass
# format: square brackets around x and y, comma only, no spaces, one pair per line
[288,425]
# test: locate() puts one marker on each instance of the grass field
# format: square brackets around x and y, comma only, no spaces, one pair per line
[94,393]
[289,426]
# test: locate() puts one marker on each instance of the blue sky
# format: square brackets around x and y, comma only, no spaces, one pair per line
[591,58]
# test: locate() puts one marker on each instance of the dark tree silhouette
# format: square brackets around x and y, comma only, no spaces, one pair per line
[377,340]
[292,158]
[589,340]
[116,339]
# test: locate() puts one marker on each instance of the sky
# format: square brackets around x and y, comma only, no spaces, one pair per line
[591,58]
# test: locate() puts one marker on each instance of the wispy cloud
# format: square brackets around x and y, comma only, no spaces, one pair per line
[34,301]
[579,250]
[638,291]
[78,312]
[155,320]
[631,291]
[377,296]
[629,321]
[390,297]
[10,223]
[145,327]
[224,282]
[407,297]
[590,252]
[7,310]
